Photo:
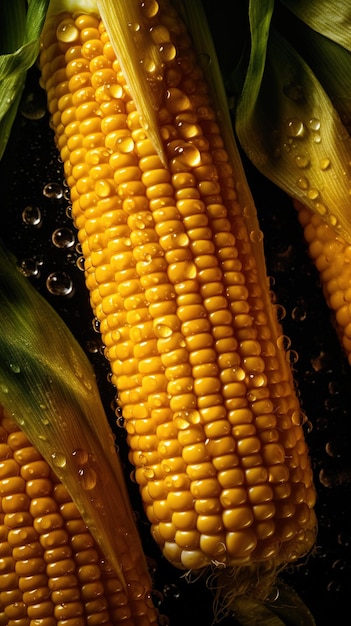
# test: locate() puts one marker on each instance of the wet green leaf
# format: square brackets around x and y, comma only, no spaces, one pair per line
[289,128]
[287,609]
[20,48]
[332,19]
[48,386]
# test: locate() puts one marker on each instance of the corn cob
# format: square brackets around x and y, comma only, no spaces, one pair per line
[331,255]
[52,571]
[213,421]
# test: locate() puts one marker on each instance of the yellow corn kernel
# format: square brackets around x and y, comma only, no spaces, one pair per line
[52,570]
[184,310]
[331,254]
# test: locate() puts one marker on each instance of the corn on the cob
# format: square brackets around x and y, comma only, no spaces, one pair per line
[51,570]
[331,254]
[213,421]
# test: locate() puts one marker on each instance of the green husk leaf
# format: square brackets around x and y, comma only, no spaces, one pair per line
[288,609]
[330,61]
[295,138]
[332,19]
[136,51]
[48,386]
[21,43]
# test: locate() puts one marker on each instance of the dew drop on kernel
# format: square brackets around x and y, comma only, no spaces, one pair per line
[125,145]
[63,237]
[59,284]
[67,32]
[54,191]
[31,215]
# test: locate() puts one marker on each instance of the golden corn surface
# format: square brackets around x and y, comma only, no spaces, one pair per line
[213,421]
[51,570]
[331,254]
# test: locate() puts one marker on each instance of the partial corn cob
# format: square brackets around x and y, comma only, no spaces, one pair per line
[213,421]
[331,254]
[51,570]
[47,385]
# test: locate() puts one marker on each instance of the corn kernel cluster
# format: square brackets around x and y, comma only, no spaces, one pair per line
[331,254]
[214,425]
[51,570]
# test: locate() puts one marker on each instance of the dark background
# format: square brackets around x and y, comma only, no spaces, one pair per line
[322,373]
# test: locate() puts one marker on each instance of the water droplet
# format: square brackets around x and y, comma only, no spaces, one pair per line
[161,330]
[292,356]
[184,153]
[256,235]
[167,51]
[15,368]
[171,591]
[303,182]
[67,32]
[29,267]
[280,311]
[125,144]
[134,26]
[54,191]
[295,128]
[96,325]
[120,421]
[283,342]
[59,459]
[87,478]
[313,194]
[299,313]
[324,164]
[31,215]
[4,388]
[32,108]
[59,284]
[150,8]
[80,456]
[80,262]
[314,123]
[321,209]
[302,161]
[298,418]
[177,100]
[63,237]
